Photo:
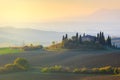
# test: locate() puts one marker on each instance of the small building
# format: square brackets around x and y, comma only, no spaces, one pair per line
[89,38]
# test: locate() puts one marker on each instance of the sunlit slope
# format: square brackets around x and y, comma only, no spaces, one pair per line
[9,51]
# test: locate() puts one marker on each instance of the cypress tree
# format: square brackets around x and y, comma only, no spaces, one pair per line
[108,42]
[76,35]
[66,40]
[77,38]
[63,38]
[102,39]
[66,36]
[98,37]
[80,39]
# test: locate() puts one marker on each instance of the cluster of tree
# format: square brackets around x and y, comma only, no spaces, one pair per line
[101,39]
[32,47]
[100,70]
[29,47]
[77,41]
[19,64]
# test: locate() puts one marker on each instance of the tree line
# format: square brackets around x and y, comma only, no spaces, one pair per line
[77,41]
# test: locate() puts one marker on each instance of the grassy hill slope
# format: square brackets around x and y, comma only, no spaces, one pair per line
[54,76]
[71,58]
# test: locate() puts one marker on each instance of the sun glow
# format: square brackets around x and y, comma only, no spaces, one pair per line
[22,13]
[40,11]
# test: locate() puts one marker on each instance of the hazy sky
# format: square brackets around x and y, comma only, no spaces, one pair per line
[35,13]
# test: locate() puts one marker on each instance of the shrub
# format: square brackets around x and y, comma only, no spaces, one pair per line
[95,70]
[2,70]
[101,70]
[83,70]
[76,70]
[106,69]
[11,67]
[45,69]
[56,68]
[116,71]
[21,63]
[66,69]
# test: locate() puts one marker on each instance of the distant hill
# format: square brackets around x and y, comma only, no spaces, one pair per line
[16,36]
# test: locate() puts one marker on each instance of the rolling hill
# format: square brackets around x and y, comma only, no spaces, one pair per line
[16,36]
[66,58]
[10,36]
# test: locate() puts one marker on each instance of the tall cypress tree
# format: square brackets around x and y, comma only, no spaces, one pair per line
[63,38]
[108,41]
[100,34]
[80,39]
[76,35]
[98,37]
[66,36]
[102,39]
[77,38]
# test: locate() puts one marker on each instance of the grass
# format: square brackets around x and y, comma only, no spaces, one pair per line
[9,51]
[32,75]
[67,58]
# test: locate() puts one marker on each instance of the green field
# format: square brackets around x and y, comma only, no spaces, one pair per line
[9,51]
